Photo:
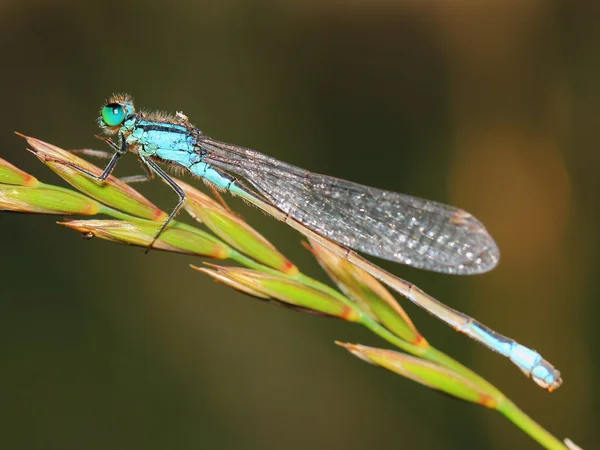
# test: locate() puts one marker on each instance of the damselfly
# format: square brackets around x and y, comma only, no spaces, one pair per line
[341,215]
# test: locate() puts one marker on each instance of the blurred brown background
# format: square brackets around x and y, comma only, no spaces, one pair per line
[492,108]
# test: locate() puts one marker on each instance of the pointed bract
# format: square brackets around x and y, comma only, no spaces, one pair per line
[369,293]
[285,290]
[111,191]
[426,373]
[46,199]
[223,278]
[173,239]
[233,230]
[9,174]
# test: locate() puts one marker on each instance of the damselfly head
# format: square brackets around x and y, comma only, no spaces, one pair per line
[115,111]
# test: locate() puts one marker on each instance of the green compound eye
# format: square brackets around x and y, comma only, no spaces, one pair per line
[113,115]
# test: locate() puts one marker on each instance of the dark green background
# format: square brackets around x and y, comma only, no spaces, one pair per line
[491,108]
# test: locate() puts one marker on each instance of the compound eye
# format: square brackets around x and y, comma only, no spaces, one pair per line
[113,114]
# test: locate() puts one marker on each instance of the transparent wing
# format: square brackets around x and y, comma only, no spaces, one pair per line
[392,226]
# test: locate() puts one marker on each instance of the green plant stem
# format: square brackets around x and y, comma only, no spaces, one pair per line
[529,426]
